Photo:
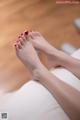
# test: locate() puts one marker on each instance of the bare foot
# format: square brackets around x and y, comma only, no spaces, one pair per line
[27,54]
[41,44]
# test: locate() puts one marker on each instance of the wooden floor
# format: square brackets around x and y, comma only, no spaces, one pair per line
[55,22]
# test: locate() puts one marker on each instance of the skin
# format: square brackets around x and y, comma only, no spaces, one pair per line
[67,96]
[55,56]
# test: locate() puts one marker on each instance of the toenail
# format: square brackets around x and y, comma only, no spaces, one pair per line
[19,36]
[15,45]
[21,33]
[19,46]
[26,32]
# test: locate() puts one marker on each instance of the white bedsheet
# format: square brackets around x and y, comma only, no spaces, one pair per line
[34,102]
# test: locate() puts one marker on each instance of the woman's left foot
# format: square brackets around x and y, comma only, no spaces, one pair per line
[27,54]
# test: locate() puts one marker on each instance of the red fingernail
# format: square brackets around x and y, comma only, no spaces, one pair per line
[26,32]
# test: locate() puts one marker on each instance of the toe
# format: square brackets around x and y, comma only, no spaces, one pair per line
[28,36]
[21,41]
[19,45]
[17,39]
[23,37]
[35,34]
[31,35]
[16,46]
[26,33]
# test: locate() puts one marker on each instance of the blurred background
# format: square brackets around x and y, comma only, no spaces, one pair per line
[54,21]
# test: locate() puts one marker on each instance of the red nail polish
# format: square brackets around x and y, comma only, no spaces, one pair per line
[21,33]
[26,32]
[15,45]
[19,36]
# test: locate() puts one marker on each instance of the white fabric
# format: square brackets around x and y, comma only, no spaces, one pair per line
[67,76]
[34,102]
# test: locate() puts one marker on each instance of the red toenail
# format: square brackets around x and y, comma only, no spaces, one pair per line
[21,33]
[19,36]
[15,45]
[26,32]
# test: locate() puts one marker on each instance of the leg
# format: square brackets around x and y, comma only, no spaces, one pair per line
[57,57]
[68,97]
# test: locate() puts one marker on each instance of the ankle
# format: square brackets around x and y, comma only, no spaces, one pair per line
[65,60]
[55,54]
[39,73]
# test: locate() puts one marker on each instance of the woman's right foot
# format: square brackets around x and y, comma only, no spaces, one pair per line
[41,44]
